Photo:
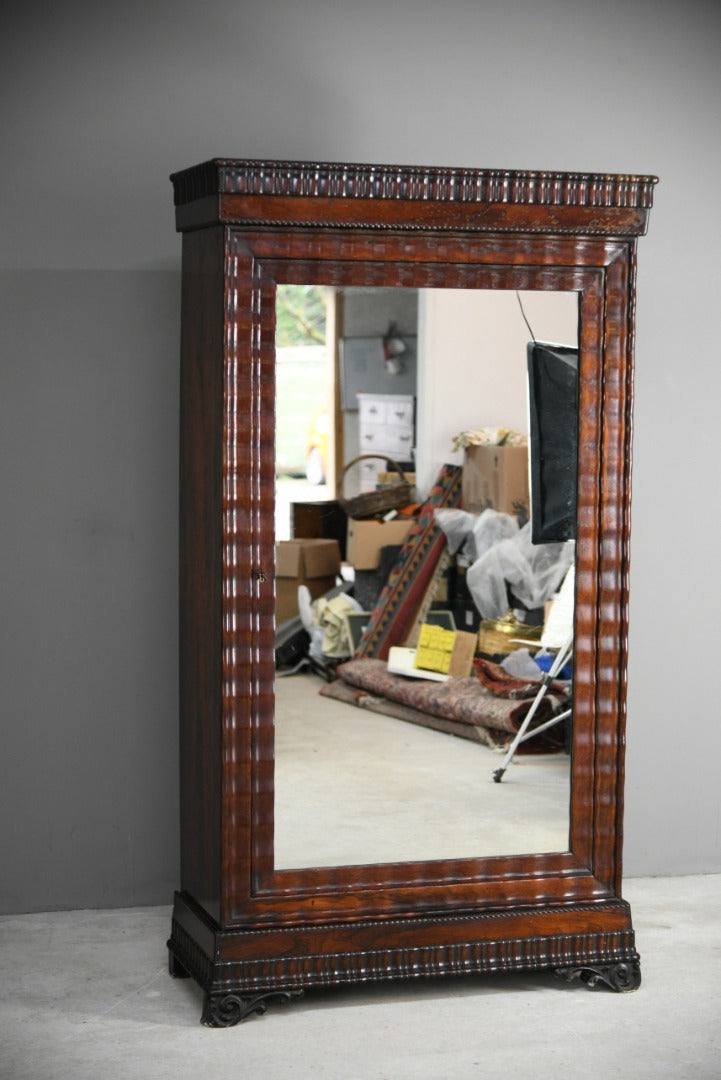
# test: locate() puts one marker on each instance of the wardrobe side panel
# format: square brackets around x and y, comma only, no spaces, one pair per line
[201,432]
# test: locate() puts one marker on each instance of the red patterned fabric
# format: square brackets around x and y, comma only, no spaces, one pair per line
[500,683]
[393,617]
[352,695]
[466,701]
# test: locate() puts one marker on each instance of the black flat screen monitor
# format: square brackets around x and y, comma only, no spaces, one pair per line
[553,440]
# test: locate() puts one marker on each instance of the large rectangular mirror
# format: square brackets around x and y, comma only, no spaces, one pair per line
[356,786]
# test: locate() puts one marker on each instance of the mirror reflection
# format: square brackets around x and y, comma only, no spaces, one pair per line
[424,594]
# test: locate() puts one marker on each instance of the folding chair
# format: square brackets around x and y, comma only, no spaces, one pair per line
[563,655]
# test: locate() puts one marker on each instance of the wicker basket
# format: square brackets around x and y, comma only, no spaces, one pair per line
[370,503]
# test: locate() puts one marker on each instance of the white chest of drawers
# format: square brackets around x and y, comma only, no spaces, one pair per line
[386,427]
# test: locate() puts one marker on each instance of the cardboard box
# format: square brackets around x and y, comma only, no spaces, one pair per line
[324,520]
[496,477]
[314,563]
[366,538]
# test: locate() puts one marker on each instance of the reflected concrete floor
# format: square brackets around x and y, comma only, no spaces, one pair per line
[353,786]
[86,995]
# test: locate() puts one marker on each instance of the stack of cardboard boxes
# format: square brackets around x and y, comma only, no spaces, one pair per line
[494,477]
[314,563]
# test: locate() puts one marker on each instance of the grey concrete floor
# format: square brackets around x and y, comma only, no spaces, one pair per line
[86,994]
[352,786]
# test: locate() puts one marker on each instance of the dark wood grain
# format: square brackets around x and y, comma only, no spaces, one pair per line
[240,926]
[201,469]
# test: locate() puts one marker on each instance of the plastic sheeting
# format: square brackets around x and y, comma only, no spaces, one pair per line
[502,556]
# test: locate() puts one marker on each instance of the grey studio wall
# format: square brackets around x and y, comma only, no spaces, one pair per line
[99,104]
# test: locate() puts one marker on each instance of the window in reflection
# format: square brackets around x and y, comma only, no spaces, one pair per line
[304,399]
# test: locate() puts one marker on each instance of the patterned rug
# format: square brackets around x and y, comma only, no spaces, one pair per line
[466,703]
[395,615]
[352,695]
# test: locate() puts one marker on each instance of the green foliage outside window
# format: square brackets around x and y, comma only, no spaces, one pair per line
[300,315]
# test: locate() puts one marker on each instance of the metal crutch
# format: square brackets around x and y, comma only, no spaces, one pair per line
[561,657]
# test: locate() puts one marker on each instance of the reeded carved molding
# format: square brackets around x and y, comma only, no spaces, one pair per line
[410,183]
[595,951]
[224,1008]
[187,956]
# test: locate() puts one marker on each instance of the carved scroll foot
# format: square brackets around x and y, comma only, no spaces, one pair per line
[621,977]
[226,1010]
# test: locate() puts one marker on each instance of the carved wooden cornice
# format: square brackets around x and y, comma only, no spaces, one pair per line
[227,176]
[410,198]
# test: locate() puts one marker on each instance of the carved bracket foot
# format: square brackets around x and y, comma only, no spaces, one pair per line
[621,977]
[226,1010]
